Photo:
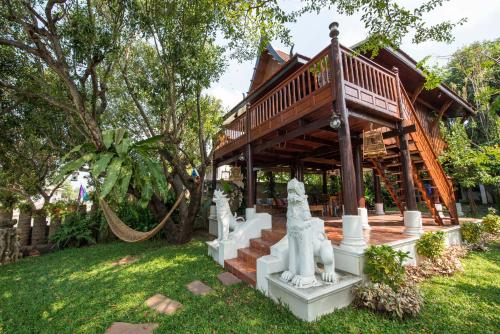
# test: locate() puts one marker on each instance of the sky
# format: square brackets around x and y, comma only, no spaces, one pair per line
[310,35]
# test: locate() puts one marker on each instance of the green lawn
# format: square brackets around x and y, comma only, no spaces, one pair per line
[78,291]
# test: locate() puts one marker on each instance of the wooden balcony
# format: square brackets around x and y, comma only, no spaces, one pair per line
[370,89]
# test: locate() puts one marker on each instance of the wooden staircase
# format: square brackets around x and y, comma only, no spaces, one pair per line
[426,169]
[245,265]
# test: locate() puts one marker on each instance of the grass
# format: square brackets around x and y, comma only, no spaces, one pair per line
[78,291]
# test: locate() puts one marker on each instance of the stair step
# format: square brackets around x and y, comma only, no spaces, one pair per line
[261,245]
[273,235]
[250,255]
[242,269]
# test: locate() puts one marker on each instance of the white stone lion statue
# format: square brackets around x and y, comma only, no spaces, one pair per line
[307,242]
[225,218]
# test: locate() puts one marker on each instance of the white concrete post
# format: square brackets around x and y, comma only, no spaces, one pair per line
[379,209]
[363,213]
[353,238]
[413,222]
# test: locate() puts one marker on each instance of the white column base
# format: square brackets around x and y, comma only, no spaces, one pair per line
[379,209]
[250,213]
[459,209]
[352,228]
[363,213]
[413,222]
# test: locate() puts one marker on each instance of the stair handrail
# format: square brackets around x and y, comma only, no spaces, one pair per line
[448,197]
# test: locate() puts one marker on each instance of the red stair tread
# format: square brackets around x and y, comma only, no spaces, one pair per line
[243,270]
[250,255]
[261,245]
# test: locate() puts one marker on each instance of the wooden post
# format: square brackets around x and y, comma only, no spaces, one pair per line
[358,170]
[325,184]
[411,201]
[250,174]
[300,171]
[255,187]
[377,189]
[214,176]
[337,86]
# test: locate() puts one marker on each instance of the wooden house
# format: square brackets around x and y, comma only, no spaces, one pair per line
[309,115]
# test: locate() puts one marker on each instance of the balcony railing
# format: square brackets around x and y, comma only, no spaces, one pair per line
[366,83]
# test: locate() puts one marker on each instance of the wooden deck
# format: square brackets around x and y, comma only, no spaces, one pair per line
[385,228]
[369,88]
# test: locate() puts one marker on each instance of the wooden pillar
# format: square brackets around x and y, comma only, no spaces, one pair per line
[300,171]
[411,201]
[337,86]
[255,187]
[358,171]
[214,176]
[250,174]
[325,184]
[250,179]
[293,171]
[377,189]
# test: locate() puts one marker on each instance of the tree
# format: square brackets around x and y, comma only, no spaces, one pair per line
[31,144]
[473,152]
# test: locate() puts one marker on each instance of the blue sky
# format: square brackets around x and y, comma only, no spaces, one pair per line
[310,35]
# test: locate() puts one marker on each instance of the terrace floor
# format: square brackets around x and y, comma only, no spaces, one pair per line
[384,228]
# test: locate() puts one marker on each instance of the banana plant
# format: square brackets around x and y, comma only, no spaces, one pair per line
[123,163]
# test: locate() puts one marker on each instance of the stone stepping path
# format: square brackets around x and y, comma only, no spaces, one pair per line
[126,328]
[199,288]
[163,304]
[126,260]
[228,279]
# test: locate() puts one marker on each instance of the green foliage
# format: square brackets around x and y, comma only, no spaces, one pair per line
[77,230]
[125,163]
[469,164]
[491,223]
[383,264]
[471,232]
[136,217]
[379,297]
[434,74]
[431,244]
[8,200]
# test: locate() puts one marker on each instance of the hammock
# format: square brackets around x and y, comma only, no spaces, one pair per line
[125,233]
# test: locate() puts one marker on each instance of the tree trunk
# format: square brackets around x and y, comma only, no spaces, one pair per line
[180,231]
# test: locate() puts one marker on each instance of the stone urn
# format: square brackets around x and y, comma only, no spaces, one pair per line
[39,231]
[24,227]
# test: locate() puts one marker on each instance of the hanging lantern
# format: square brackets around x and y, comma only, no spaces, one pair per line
[373,144]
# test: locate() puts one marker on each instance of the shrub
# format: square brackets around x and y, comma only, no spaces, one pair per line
[384,265]
[471,232]
[431,244]
[379,297]
[77,230]
[135,216]
[491,223]
[446,265]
